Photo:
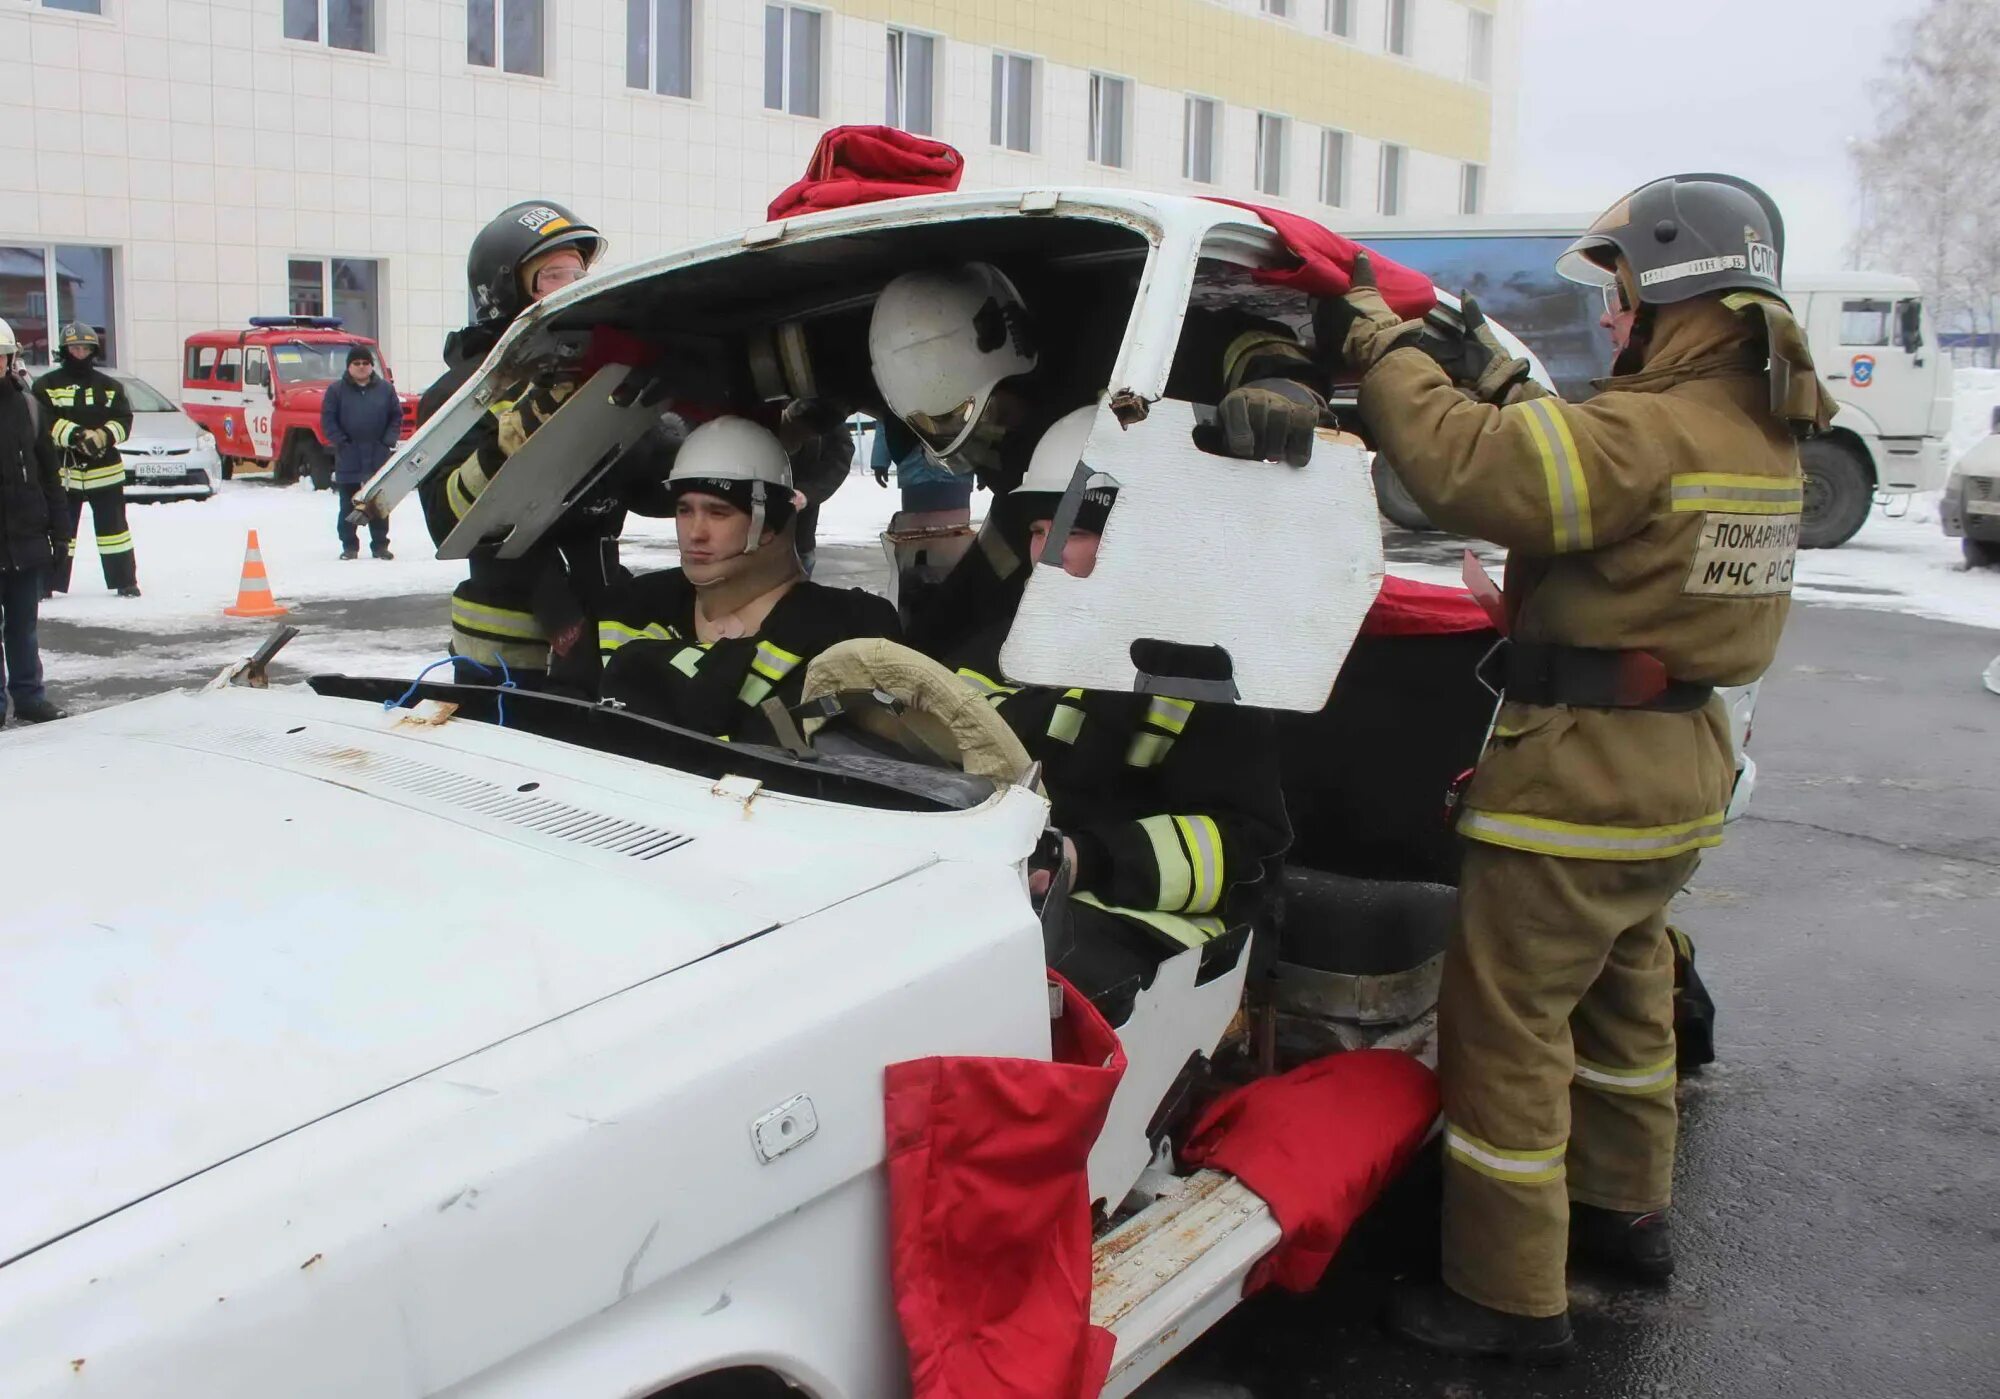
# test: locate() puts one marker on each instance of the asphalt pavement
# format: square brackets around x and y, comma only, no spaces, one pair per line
[1838,1190]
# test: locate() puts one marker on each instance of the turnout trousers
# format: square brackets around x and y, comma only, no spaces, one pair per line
[114,539]
[1556,1059]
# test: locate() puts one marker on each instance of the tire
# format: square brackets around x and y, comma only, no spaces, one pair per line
[1839,493]
[315,461]
[227,470]
[1980,553]
[1394,500]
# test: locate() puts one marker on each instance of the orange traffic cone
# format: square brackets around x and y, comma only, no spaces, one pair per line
[253,594]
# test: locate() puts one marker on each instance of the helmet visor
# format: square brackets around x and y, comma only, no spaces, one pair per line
[1591,261]
[944,433]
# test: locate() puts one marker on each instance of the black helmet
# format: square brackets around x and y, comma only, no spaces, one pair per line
[77,333]
[522,231]
[1684,236]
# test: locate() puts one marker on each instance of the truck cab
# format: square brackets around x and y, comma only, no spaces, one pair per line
[258,391]
[1868,331]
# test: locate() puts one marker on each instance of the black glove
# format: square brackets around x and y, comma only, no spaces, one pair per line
[1270,420]
[1358,329]
[880,471]
[1473,357]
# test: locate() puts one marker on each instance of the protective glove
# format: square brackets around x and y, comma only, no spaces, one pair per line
[535,405]
[1358,329]
[880,471]
[92,439]
[1474,358]
[1270,420]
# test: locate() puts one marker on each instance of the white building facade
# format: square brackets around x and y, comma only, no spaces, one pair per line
[172,166]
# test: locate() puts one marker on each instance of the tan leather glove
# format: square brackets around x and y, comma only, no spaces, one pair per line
[535,405]
[1359,328]
[92,440]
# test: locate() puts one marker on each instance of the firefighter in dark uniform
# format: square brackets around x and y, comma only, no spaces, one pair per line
[519,614]
[705,645]
[86,414]
[1168,808]
[1651,534]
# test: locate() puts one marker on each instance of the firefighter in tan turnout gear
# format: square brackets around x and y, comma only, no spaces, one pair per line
[87,414]
[1651,533]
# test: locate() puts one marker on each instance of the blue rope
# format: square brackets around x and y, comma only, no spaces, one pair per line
[500,701]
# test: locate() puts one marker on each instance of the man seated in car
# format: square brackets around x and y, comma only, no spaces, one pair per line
[704,645]
[1167,808]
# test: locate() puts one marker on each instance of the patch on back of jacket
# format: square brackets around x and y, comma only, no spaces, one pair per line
[1743,555]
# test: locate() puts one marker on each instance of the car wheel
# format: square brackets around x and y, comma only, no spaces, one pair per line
[1838,494]
[1394,500]
[1980,553]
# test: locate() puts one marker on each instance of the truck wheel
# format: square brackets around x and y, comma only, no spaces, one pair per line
[1394,500]
[1980,553]
[227,468]
[315,461]
[1838,494]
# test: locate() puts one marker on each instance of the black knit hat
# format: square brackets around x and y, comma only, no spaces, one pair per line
[360,354]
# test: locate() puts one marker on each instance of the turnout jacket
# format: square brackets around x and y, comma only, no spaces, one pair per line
[655,666]
[1171,805]
[76,397]
[1660,516]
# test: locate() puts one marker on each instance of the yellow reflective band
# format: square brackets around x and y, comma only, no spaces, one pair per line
[688,660]
[1148,750]
[1569,494]
[1540,835]
[1176,879]
[1204,853]
[495,621]
[612,635]
[774,663]
[464,487]
[1169,714]
[117,431]
[1537,1167]
[1190,932]
[1655,1078]
[985,685]
[62,395]
[61,430]
[515,655]
[1065,723]
[756,689]
[1743,495]
[120,543]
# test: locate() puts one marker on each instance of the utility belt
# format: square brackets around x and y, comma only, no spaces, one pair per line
[1542,673]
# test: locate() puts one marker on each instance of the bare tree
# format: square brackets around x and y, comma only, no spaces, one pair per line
[1930,175]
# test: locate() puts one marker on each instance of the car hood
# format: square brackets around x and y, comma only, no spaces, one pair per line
[304,903]
[167,429]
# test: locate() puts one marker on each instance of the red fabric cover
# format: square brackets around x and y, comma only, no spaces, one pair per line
[1326,259]
[1406,607]
[989,1215]
[1319,1144]
[860,164]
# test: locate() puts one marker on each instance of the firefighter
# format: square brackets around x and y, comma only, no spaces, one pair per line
[1651,534]
[516,614]
[86,414]
[1168,808]
[706,644]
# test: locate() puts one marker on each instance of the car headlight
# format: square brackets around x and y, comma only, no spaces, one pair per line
[204,441]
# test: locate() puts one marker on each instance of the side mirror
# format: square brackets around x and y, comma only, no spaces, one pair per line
[1910,325]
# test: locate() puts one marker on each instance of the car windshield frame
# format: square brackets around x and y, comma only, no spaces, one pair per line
[331,353]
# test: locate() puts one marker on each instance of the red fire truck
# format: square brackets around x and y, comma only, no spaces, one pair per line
[259,390]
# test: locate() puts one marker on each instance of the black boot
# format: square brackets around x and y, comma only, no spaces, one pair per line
[37,711]
[129,590]
[1433,1316]
[1640,1246]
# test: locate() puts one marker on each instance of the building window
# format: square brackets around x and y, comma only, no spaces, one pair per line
[505,34]
[1340,18]
[1393,160]
[1472,189]
[1479,46]
[80,282]
[1110,98]
[1276,9]
[340,24]
[912,81]
[355,293]
[1198,125]
[659,46]
[1270,153]
[1333,148]
[1013,101]
[79,7]
[792,59]
[1396,37]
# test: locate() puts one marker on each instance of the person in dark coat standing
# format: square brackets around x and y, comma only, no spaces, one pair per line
[362,417]
[34,532]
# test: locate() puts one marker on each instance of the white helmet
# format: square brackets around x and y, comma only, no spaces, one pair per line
[8,344]
[743,463]
[1053,466]
[938,343]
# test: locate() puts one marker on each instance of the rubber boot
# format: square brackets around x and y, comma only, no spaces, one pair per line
[1640,1246]
[37,711]
[1433,1316]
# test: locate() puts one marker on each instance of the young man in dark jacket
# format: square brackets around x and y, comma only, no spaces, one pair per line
[34,518]
[362,417]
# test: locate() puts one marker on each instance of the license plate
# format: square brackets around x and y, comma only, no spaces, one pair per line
[153,470]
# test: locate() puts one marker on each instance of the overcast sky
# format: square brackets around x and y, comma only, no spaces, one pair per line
[1615,93]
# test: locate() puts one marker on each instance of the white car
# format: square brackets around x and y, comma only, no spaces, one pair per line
[167,456]
[565,1075]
